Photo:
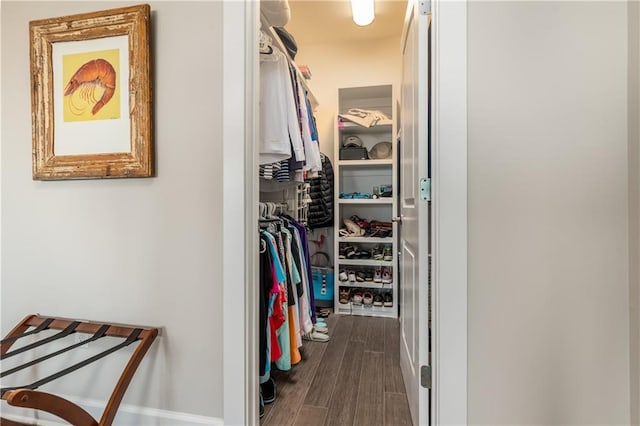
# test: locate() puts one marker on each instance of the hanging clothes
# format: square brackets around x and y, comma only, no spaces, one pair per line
[279,129]
[286,294]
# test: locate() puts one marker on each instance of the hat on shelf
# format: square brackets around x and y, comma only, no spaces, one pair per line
[381,151]
[351,140]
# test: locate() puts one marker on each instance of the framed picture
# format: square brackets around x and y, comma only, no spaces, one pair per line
[91,95]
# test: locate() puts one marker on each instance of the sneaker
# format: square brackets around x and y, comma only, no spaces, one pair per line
[388,300]
[350,252]
[378,300]
[343,276]
[352,276]
[377,253]
[360,276]
[387,254]
[315,336]
[377,275]
[386,275]
[367,298]
[363,254]
[368,276]
[321,328]
[357,298]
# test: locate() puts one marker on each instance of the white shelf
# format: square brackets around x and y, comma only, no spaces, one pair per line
[371,240]
[364,310]
[366,284]
[381,126]
[377,201]
[371,163]
[364,262]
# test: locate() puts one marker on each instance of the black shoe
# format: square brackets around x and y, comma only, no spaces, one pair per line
[268,391]
[261,406]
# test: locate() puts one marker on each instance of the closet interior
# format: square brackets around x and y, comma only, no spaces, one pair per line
[328,178]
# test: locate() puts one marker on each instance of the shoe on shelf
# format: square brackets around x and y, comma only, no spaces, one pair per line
[388,300]
[357,298]
[343,276]
[368,276]
[367,298]
[378,300]
[377,253]
[359,221]
[377,275]
[352,276]
[363,254]
[341,254]
[386,275]
[387,254]
[344,296]
[350,252]
[360,276]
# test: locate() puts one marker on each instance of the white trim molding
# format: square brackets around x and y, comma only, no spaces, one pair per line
[128,415]
[449,150]
[240,212]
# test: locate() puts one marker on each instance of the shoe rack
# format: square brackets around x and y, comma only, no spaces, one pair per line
[365,195]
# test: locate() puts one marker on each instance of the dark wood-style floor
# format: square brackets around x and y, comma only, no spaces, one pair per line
[354,379]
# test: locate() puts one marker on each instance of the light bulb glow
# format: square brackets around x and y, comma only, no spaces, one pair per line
[363,12]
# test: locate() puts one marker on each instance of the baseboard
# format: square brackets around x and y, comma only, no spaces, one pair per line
[128,415]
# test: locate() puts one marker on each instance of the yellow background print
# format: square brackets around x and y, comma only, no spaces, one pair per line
[78,105]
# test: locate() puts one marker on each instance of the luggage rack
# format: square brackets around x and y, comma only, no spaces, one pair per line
[27,396]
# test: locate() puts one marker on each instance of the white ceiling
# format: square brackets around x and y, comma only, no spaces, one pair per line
[317,21]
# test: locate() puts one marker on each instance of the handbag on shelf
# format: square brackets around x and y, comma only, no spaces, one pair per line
[354,153]
[323,279]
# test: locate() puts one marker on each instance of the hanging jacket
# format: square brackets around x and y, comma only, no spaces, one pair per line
[321,193]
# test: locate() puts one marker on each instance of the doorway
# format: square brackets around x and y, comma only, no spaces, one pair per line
[240,389]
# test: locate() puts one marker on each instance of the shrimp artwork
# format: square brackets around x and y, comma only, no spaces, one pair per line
[94,74]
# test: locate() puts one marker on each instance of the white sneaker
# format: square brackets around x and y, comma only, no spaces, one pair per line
[321,329]
[315,336]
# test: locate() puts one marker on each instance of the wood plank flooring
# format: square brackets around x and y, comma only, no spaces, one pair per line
[354,379]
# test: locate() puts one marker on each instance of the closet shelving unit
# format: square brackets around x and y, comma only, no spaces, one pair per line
[361,176]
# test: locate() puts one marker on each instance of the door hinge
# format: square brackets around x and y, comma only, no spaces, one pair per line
[425,7]
[425,376]
[425,189]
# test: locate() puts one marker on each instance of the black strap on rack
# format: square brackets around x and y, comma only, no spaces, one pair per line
[71,328]
[130,339]
[44,325]
[98,334]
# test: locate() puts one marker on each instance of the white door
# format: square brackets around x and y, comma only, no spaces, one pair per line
[414,211]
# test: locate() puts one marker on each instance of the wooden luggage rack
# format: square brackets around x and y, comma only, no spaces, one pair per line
[28,397]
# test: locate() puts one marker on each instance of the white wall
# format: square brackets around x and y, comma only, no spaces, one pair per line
[346,64]
[142,251]
[548,282]
[634,206]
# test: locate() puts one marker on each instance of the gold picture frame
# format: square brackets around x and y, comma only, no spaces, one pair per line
[91,95]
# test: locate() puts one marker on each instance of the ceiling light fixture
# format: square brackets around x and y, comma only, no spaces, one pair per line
[363,12]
